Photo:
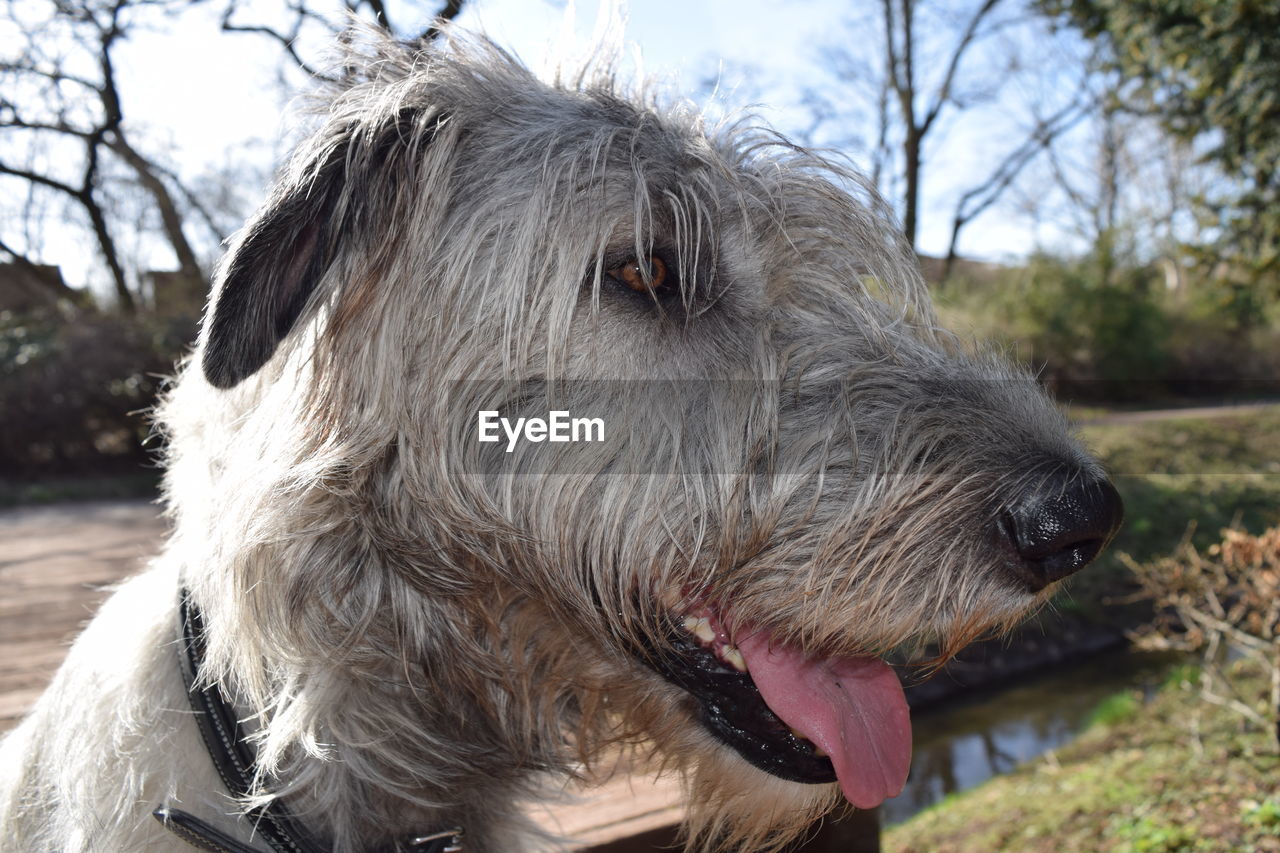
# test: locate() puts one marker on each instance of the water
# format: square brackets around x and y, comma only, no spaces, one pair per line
[964,743]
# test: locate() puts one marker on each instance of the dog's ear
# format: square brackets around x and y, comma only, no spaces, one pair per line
[273,270]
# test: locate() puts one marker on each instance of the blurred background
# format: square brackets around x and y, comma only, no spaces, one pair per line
[1095,184]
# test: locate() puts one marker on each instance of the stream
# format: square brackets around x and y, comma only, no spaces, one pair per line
[963,743]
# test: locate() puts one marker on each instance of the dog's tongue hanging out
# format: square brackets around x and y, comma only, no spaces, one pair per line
[853,708]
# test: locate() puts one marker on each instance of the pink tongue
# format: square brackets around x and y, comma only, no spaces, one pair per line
[853,708]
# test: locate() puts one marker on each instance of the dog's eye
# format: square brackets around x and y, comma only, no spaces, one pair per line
[649,276]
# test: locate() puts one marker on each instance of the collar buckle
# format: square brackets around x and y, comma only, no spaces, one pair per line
[451,837]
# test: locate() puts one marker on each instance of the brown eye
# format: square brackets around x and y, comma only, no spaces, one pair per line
[649,277]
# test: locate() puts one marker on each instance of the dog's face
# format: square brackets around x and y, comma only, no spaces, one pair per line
[797,475]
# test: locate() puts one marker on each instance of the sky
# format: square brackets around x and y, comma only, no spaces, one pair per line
[203,96]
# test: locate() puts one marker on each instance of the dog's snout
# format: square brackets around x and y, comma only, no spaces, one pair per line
[1061,527]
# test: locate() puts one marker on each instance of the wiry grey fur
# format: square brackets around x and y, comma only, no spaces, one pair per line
[419,643]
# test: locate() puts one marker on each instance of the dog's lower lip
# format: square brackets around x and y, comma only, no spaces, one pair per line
[731,707]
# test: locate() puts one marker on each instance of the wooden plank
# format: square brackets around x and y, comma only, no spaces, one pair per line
[624,806]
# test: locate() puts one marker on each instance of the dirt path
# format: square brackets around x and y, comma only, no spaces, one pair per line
[56,563]
[1200,412]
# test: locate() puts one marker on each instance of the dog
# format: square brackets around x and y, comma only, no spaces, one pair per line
[400,602]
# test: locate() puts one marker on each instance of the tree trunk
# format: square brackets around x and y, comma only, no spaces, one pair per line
[108,247]
[170,218]
[910,207]
[949,263]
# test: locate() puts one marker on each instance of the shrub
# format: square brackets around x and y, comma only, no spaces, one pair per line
[1225,599]
[1106,332]
[1115,709]
[74,386]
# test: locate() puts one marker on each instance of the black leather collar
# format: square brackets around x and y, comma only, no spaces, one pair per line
[233,757]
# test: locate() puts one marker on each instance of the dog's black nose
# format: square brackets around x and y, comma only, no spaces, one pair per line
[1058,529]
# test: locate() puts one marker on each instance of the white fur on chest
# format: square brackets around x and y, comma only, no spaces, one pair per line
[112,739]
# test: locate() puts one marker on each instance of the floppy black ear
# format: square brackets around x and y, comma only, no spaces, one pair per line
[272,273]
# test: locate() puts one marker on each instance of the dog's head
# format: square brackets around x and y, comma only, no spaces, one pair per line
[795,472]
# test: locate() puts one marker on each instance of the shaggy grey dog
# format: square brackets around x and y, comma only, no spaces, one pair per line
[795,474]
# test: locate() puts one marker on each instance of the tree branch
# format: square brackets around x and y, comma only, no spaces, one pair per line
[901,87]
[948,79]
[974,201]
[285,40]
[379,10]
[170,218]
[16,122]
[42,180]
[448,13]
[193,201]
[52,75]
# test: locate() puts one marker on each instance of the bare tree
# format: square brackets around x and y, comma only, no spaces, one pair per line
[64,131]
[899,19]
[302,18]
[912,64]
[1124,187]
[978,199]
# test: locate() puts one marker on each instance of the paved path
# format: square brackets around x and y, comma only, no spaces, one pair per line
[56,564]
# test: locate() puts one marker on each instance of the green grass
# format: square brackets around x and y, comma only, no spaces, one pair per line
[1183,676]
[1081,412]
[1265,814]
[1115,709]
[1144,834]
[139,484]
[1136,784]
[1235,445]
[1178,476]
[1214,472]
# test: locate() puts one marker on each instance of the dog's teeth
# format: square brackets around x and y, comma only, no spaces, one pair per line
[819,751]
[700,627]
[734,658]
